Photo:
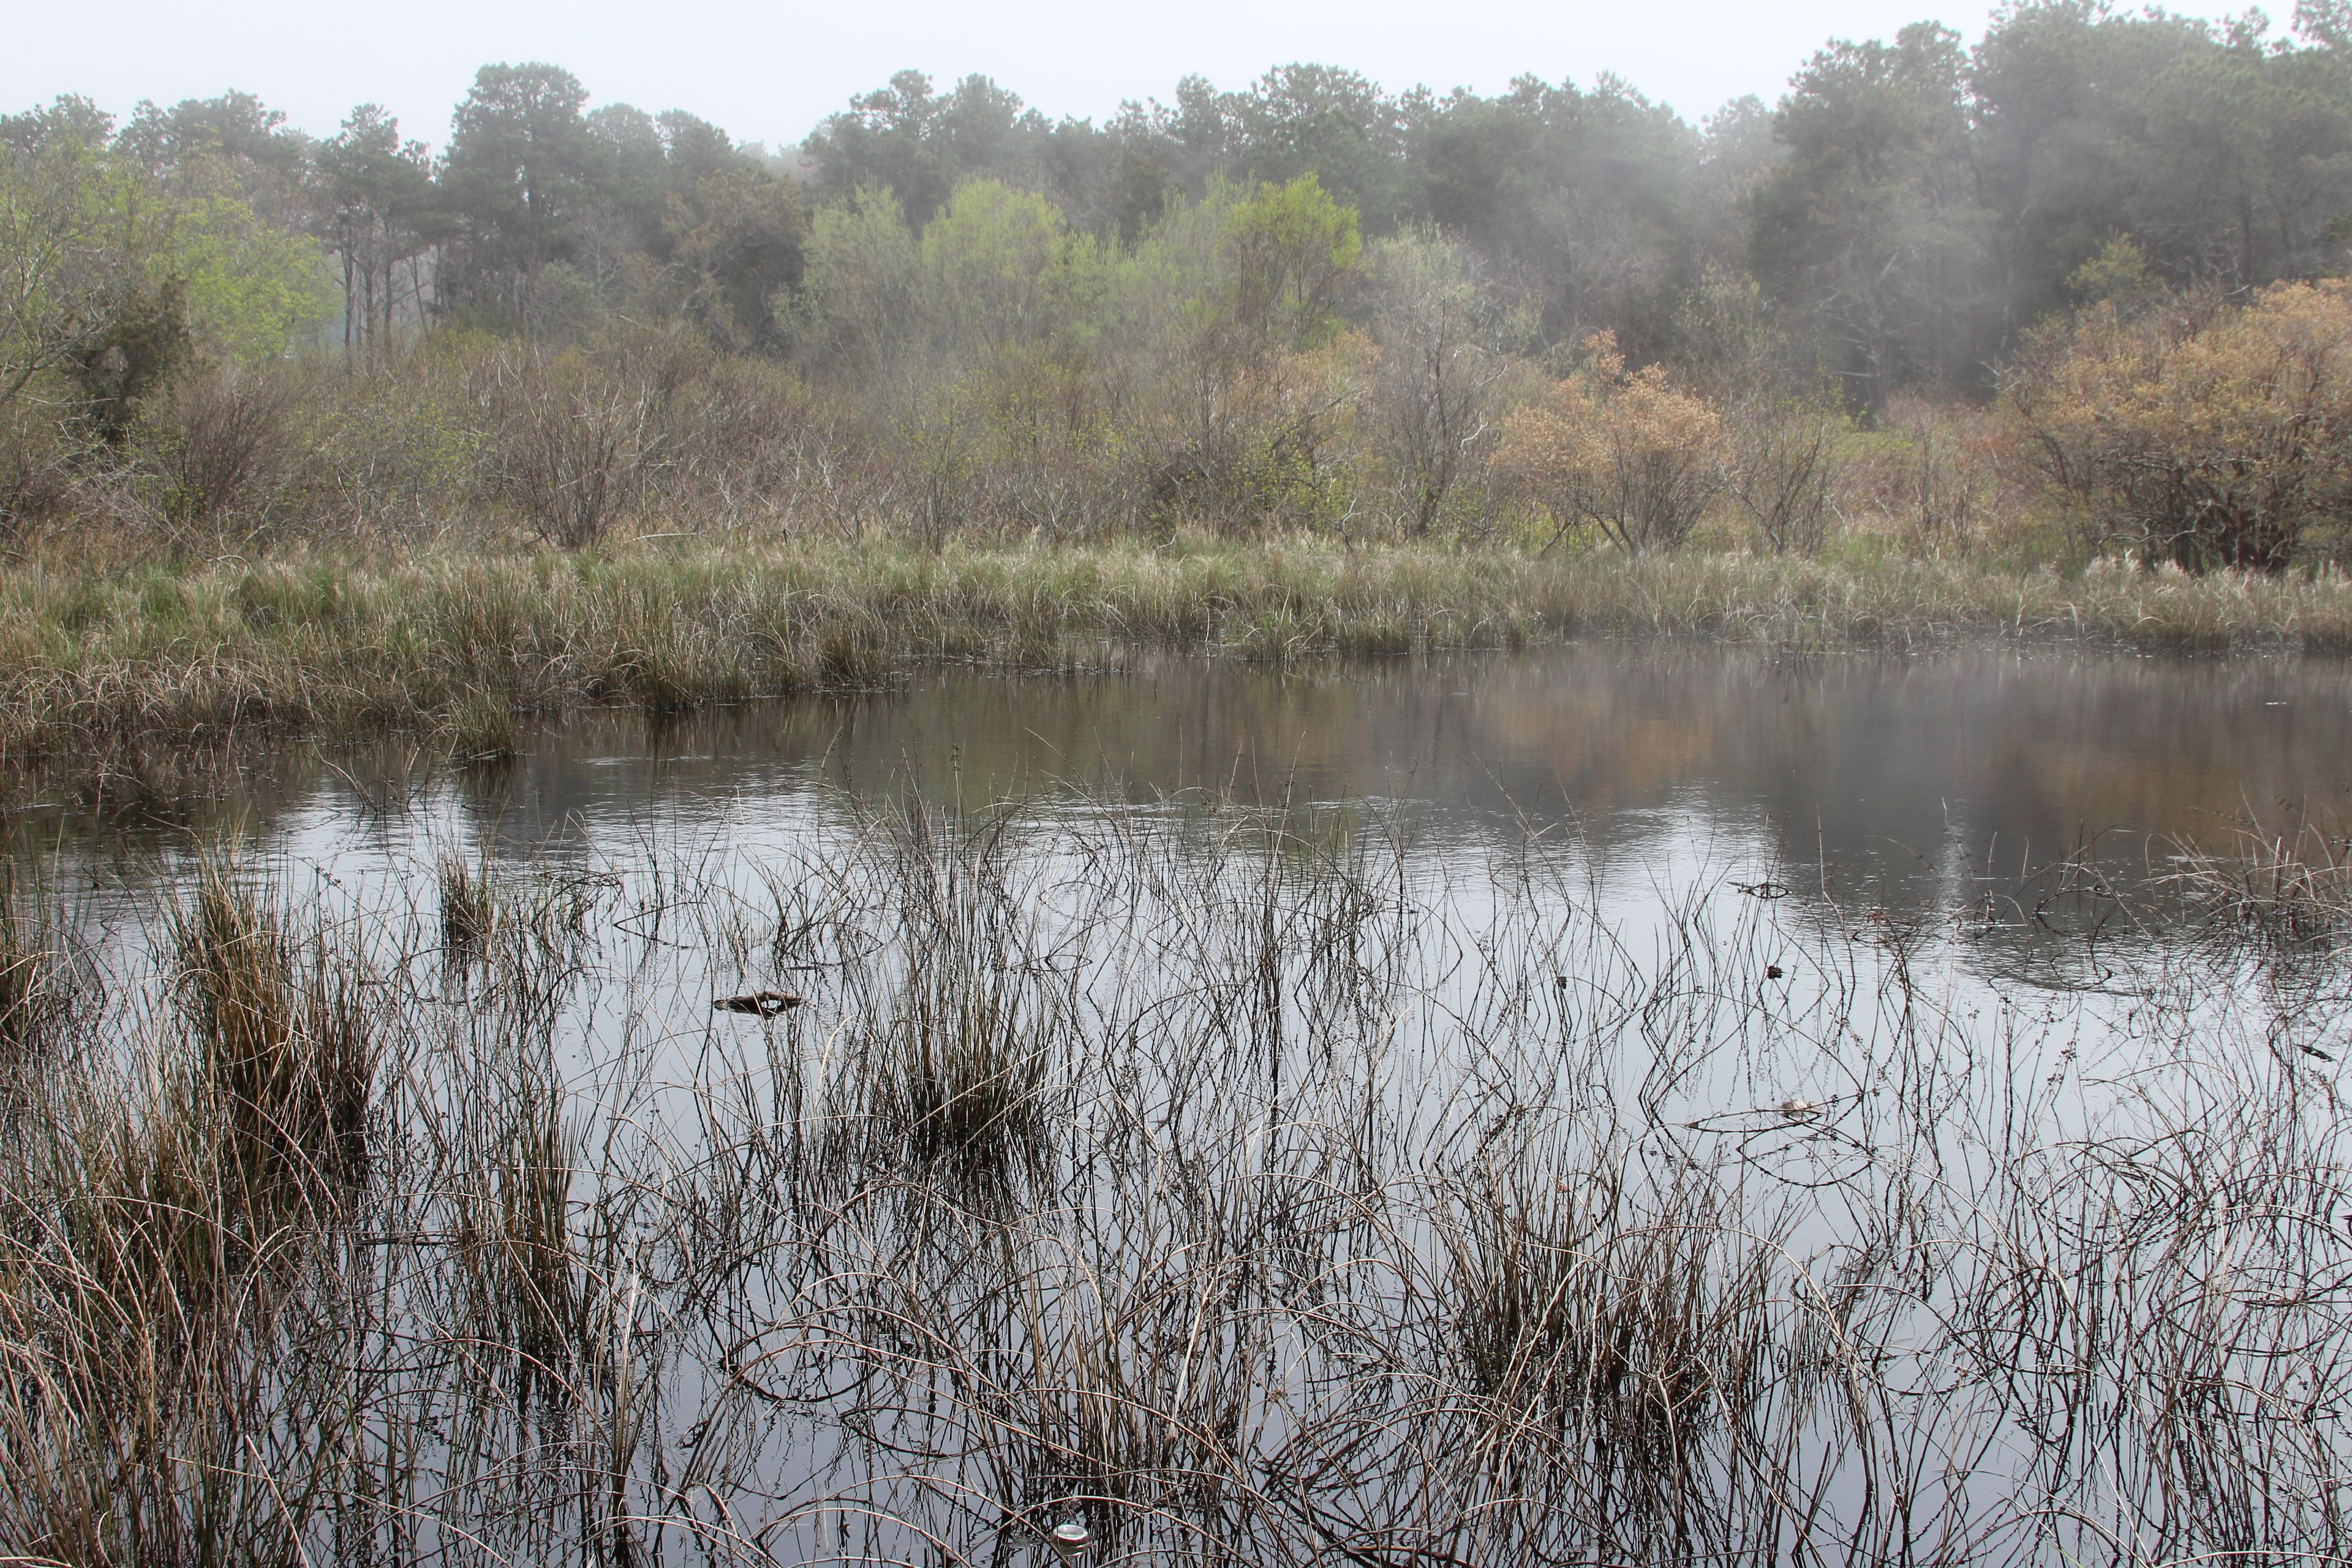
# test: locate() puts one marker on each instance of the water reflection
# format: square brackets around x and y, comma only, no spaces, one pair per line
[1349,1192]
[1902,781]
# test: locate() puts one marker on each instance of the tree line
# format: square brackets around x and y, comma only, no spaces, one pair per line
[1268,303]
[1912,207]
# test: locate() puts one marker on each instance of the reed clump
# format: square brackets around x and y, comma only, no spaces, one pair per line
[516,1249]
[2290,889]
[480,729]
[469,903]
[964,1074]
[283,1031]
[1622,1327]
[957,1052]
[180,1218]
[41,988]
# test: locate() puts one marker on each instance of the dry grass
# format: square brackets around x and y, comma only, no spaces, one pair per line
[2289,890]
[115,670]
[42,987]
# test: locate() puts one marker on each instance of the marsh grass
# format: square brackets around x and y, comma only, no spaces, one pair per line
[42,987]
[958,1043]
[117,673]
[517,1250]
[480,729]
[2288,889]
[1257,1187]
[283,1030]
[469,902]
[216,1160]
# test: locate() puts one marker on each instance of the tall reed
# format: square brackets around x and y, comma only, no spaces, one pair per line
[1252,1186]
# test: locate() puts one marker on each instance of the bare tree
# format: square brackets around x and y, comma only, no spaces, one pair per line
[1433,394]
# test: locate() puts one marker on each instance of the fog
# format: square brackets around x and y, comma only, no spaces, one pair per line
[770,73]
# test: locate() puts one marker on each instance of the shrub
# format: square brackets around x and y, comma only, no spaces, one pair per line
[2201,432]
[1782,460]
[1928,473]
[736,434]
[1257,450]
[35,471]
[221,434]
[1437,373]
[572,440]
[1625,451]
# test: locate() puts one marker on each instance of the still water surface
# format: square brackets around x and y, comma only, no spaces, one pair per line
[1913,783]
[1788,977]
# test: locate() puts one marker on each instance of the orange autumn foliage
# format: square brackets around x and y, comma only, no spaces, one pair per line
[1623,451]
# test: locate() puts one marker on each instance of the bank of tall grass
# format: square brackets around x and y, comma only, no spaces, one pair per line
[461,643]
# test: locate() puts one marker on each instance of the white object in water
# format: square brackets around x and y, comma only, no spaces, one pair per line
[1069,1539]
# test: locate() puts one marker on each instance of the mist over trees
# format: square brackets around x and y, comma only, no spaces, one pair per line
[1188,309]
[1916,204]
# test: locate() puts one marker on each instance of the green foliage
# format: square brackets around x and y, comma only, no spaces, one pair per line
[141,342]
[917,143]
[948,313]
[1934,202]
[862,278]
[1334,127]
[376,192]
[521,176]
[120,273]
[1870,223]
[533,181]
[1292,249]
[2118,275]
[75,235]
[740,232]
[252,289]
[1002,266]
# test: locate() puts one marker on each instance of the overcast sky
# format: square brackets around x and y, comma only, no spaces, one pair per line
[769,71]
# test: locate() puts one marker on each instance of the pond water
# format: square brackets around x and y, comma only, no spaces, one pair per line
[1608,1103]
[1919,783]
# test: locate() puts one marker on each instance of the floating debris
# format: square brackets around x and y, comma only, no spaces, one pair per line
[765,1003]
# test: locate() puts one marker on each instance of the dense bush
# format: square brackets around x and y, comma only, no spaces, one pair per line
[2199,432]
[219,438]
[1624,452]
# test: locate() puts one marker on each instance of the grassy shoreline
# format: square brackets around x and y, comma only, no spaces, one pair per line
[316,645]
